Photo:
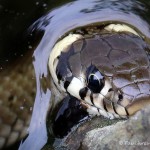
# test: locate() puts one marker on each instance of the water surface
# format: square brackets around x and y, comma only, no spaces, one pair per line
[61,19]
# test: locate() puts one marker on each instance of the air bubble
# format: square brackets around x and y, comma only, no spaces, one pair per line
[44,5]
[133,77]
[37,3]
[21,107]
[30,47]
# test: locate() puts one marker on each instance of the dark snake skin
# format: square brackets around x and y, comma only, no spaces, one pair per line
[17,94]
[120,58]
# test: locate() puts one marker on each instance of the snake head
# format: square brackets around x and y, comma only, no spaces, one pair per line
[90,69]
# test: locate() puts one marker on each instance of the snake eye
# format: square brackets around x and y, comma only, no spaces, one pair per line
[95,81]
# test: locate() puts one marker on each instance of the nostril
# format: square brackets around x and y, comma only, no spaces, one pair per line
[110,90]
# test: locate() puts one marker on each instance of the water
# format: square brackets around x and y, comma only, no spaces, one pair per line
[65,18]
[54,24]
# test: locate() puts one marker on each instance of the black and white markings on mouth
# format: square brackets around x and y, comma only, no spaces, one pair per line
[83,92]
[95,81]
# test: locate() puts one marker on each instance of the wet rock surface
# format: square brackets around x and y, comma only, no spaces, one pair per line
[131,134]
[100,133]
[75,139]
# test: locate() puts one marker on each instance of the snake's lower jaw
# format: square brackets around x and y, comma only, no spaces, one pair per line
[123,108]
[139,103]
[98,104]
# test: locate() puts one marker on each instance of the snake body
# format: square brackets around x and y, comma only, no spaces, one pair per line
[16,101]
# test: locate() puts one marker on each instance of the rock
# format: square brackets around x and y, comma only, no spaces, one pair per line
[131,134]
[74,140]
[100,133]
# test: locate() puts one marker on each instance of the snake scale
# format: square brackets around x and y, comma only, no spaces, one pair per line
[17,92]
[109,73]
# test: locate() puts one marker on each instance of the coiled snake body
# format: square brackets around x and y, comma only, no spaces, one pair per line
[109,73]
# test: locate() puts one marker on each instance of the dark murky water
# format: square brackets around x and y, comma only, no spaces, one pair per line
[52,26]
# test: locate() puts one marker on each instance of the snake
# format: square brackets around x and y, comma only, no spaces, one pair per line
[107,70]
[16,100]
